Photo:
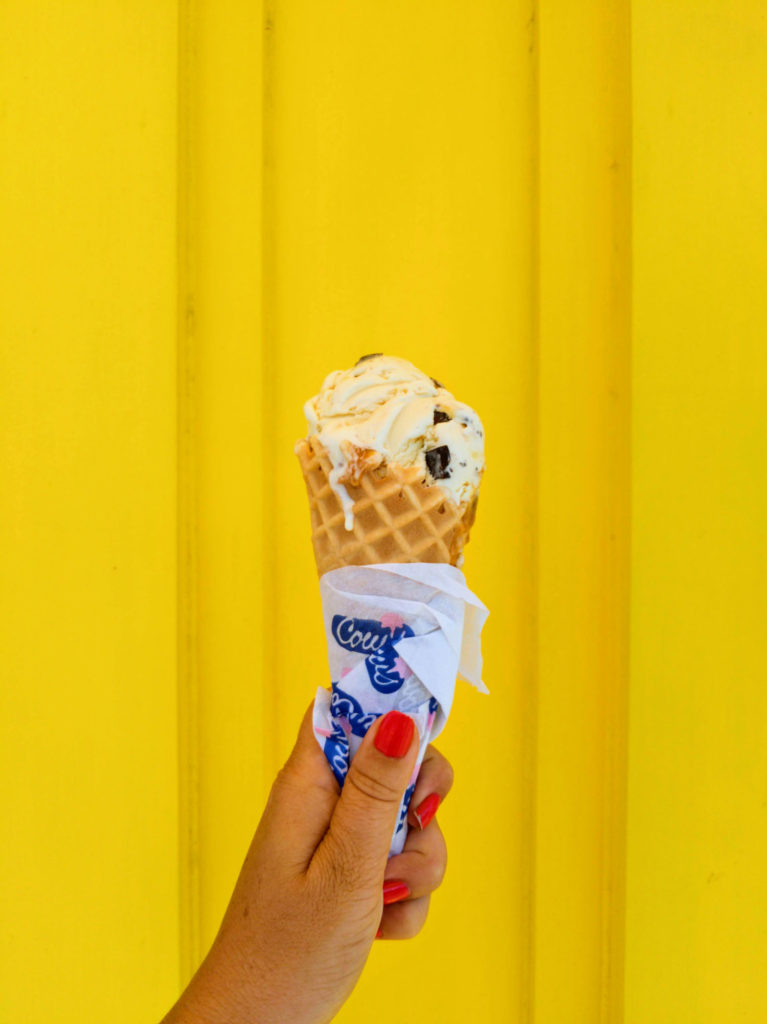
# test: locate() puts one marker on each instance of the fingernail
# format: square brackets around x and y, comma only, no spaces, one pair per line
[394,891]
[426,810]
[395,734]
[379,933]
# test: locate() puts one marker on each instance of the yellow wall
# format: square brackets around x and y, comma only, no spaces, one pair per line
[88,748]
[560,211]
[697,807]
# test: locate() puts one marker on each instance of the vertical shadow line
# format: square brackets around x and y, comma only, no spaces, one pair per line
[609,384]
[187,508]
[530,759]
[270,392]
[615,742]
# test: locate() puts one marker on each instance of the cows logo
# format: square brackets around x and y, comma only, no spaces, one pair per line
[375,639]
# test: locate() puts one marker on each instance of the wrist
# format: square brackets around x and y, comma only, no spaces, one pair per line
[216,995]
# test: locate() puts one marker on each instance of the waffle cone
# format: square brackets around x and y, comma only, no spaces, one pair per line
[397,516]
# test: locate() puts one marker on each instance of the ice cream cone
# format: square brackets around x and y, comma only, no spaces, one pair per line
[398,517]
[392,464]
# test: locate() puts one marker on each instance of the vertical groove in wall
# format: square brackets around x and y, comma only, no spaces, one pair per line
[616,719]
[531,717]
[188,683]
[583,513]
[269,394]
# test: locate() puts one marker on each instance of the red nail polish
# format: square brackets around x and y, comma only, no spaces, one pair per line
[379,933]
[394,891]
[395,734]
[426,810]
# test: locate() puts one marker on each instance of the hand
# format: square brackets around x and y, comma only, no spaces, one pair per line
[309,901]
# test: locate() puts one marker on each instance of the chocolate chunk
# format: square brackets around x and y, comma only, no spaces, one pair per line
[373,355]
[436,383]
[438,462]
[440,417]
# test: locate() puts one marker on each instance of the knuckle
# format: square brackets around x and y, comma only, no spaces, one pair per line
[412,927]
[435,873]
[410,920]
[347,869]
[372,787]
[341,870]
[286,779]
[436,863]
[280,789]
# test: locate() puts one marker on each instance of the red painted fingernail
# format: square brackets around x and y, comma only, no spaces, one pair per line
[395,734]
[394,891]
[379,933]
[426,810]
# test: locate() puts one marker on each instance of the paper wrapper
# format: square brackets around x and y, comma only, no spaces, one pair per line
[398,635]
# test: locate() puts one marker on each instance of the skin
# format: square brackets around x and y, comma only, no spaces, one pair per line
[308,902]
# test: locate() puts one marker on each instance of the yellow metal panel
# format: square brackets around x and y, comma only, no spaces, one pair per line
[697,824]
[88,864]
[400,163]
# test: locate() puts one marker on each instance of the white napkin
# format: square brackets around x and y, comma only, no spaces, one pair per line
[398,635]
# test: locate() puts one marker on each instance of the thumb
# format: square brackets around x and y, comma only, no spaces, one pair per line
[357,842]
[301,801]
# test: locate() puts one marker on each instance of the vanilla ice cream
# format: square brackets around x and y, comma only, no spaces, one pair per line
[385,411]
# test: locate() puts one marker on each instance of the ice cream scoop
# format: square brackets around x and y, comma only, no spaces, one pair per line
[392,464]
[386,411]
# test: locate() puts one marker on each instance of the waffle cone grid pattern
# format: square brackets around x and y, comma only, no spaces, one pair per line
[397,517]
